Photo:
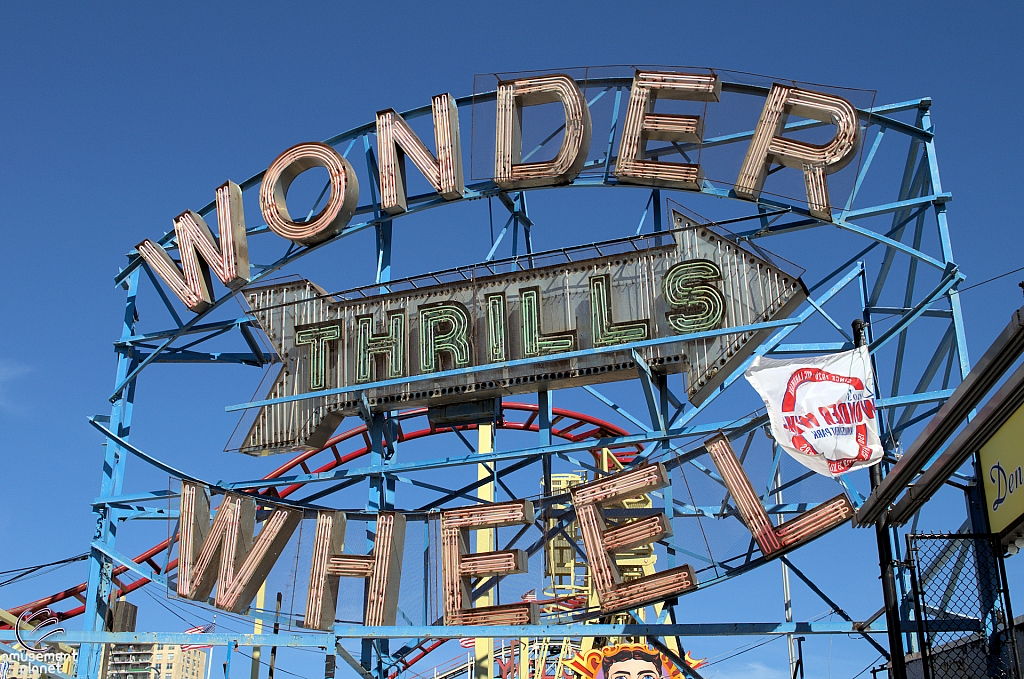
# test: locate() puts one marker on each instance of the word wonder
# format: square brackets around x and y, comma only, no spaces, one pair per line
[201,254]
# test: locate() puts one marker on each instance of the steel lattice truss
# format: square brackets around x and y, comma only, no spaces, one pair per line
[903,252]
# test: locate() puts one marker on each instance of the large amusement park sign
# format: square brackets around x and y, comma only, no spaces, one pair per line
[555,321]
[563,318]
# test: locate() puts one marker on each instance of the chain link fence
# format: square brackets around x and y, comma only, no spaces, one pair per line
[961,604]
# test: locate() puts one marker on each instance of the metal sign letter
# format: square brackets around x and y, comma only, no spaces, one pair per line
[395,140]
[513,95]
[769,146]
[341,204]
[198,252]
[600,541]
[224,553]
[643,124]
[382,570]
[771,540]
[458,565]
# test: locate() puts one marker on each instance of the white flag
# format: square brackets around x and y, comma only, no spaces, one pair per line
[822,409]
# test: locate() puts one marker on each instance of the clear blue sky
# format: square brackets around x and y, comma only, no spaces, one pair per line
[115,118]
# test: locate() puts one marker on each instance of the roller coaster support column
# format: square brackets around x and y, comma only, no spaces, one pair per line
[483,667]
[100,567]
[885,562]
[381,496]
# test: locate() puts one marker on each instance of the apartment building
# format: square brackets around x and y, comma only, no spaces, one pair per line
[155,661]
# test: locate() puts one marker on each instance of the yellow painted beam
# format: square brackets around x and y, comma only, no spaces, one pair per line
[485,542]
[12,620]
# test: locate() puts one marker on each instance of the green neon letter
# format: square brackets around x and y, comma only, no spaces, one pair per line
[497,330]
[535,342]
[317,339]
[606,332]
[444,328]
[391,345]
[697,305]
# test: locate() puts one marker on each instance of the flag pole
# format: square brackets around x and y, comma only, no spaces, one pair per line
[209,654]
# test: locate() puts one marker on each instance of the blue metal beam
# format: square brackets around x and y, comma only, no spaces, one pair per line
[151,496]
[139,569]
[195,329]
[656,342]
[478,458]
[326,639]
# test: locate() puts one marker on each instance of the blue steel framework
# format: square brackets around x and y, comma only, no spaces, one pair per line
[919,196]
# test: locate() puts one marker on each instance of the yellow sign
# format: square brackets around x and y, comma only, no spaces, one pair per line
[1001,460]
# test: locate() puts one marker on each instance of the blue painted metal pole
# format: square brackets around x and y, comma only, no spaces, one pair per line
[227,661]
[666,448]
[100,565]
[944,241]
[384,233]
[658,226]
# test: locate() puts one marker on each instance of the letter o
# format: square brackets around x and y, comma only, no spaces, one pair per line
[341,204]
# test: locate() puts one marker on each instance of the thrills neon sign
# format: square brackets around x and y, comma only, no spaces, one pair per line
[202,255]
[497,328]
[226,554]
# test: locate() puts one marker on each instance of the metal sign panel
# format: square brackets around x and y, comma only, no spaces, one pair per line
[555,319]
[1002,471]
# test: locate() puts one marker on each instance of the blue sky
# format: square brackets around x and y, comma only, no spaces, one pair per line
[116,118]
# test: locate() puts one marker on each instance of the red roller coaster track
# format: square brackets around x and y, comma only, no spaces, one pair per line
[566,425]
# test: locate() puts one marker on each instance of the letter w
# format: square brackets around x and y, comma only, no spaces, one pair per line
[199,251]
[225,552]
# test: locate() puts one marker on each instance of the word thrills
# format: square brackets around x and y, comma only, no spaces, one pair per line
[559,322]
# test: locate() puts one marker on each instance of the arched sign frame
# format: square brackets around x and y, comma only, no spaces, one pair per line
[919,195]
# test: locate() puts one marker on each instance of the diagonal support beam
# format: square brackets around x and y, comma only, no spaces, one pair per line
[651,392]
[835,607]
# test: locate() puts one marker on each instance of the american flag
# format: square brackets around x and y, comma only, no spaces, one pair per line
[201,629]
[530,596]
[467,642]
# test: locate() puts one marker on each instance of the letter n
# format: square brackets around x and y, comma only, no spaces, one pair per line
[224,553]
[199,252]
[395,140]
